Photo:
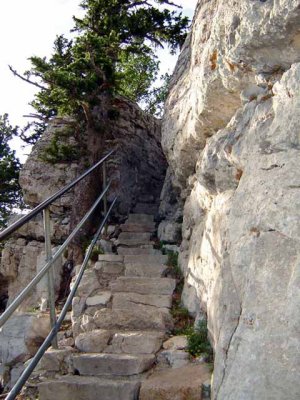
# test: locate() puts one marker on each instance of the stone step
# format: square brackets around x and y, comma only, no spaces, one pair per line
[130,301]
[160,286]
[140,218]
[134,236]
[145,270]
[146,198]
[135,342]
[110,264]
[176,383]
[156,258]
[94,341]
[146,208]
[88,388]
[113,258]
[128,227]
[108,364]
[152,319]
[138,227]
[132,251]
[134,242]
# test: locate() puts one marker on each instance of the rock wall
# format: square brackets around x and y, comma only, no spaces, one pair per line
[231,137]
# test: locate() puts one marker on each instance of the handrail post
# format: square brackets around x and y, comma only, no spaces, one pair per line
[51,292]
[104,179]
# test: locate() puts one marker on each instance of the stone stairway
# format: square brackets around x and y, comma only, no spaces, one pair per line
[120,318]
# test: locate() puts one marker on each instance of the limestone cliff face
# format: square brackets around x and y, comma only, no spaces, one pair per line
[231,133]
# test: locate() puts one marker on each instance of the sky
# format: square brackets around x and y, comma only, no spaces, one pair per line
[29,28]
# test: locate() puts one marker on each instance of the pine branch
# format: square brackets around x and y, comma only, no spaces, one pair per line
[26,79]
[36,116]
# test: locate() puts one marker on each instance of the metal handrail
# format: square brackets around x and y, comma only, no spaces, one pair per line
[19,299]
[46,344]
[50,259]
[26,218]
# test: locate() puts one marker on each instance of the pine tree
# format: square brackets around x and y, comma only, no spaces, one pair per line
[10,191]
[113,51]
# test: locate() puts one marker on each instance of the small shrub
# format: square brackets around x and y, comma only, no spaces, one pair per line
[172,259]
[198,343]
[58,152]
[183,321]
[95,253]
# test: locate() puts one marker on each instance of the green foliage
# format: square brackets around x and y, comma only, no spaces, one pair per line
[183,322]
[59,152]
[174,269]
[10,191]
[136,72]
[97,250]
[113,51]
[156,97]
[172,259]
[198,343]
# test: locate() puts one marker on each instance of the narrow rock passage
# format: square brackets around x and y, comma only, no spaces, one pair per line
[120,318]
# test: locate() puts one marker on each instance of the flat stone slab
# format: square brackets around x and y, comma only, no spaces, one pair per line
[145,270]
[134,236]
[100,299]
[88,388]
[146,208]
[56,360]
[140,218]
[143,342]
[111,258]
[129,301]
[183,383]
[138,227]
[94,341]
[134,242]
[150,320]
[88,284]
[161,286]
[128,251]
[108,267]
[112,364]
[146,259]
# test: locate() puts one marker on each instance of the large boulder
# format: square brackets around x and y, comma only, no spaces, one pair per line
[20,338]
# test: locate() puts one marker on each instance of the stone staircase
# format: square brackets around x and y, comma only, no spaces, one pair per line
[120,317]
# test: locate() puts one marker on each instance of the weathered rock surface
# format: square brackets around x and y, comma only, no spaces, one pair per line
[150,319]
[20,338]
[233,47]
[159,286]
[137,251]
[231,136]
[177,384]
[143,342]
[169,231]
[130,301]
[85,387]
[146,270]
[56,361]
[112,364]
[93,342]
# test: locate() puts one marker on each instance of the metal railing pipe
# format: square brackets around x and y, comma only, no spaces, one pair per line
[20,222]
[19,299]
[46,344]
[51,290]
